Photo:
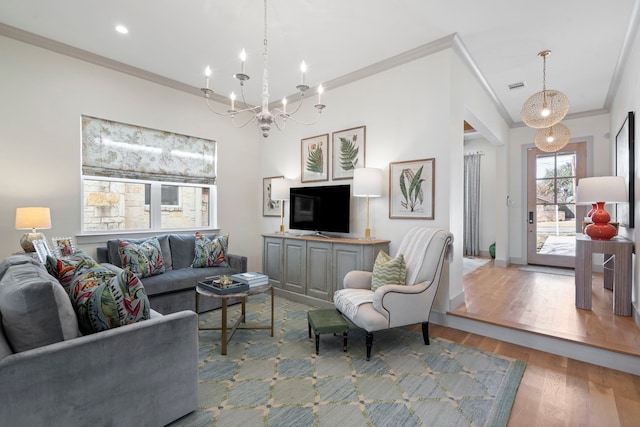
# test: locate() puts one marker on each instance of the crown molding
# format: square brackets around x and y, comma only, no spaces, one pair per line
[451,41]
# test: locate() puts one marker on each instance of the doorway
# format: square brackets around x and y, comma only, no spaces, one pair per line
[553,218]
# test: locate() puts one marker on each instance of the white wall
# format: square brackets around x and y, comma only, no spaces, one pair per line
[594,130]
[414,111]
[628,99]
[44,95]
[487,189]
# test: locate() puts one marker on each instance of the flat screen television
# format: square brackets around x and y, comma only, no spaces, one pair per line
[320,209]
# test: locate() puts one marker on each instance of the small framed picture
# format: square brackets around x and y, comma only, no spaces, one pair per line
[315,158]
[42,249]
[63,246]
[412,188]
[348,151]
[270,207]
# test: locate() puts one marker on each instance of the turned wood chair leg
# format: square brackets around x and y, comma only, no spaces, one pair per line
[425,332]
[369,344]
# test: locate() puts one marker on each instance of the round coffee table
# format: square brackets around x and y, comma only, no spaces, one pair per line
[226,335]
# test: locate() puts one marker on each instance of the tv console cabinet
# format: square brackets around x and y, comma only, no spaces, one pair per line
[309,269]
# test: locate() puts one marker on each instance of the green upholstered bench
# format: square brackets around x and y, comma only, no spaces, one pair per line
[327,322]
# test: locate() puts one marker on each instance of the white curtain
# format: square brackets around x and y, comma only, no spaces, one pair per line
[472,204]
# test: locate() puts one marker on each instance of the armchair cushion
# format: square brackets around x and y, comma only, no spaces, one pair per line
[388,271]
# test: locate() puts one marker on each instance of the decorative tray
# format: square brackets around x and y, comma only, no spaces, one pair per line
[214,285]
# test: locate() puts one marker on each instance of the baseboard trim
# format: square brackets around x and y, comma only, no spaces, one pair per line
[548,344]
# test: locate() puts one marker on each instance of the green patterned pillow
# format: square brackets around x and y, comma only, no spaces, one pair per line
[144,259]
[103,299]
[210,252]
[388,271]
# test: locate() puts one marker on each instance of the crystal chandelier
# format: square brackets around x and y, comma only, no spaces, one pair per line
[261,114]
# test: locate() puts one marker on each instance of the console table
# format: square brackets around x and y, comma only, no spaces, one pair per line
[617,271]
[310,269]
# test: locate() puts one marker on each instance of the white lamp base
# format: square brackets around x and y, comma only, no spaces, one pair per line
[26,241]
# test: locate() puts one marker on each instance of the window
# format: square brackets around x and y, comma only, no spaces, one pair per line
[137,178]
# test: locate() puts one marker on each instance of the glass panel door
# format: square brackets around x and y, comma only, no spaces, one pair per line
[552,217]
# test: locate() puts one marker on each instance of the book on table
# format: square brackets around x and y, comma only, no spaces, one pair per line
[251,278]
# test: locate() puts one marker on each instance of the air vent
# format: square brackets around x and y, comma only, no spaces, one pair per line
[518,85]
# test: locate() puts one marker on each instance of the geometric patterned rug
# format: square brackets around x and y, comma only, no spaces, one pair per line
[280,381]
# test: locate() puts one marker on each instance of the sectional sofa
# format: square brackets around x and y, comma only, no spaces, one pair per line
[139,374]
[173,290]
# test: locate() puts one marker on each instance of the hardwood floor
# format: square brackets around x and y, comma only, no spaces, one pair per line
[555,390]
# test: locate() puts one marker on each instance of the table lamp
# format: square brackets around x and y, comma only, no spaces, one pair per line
[32,218]
[598,191]
[367,182]
[280,191]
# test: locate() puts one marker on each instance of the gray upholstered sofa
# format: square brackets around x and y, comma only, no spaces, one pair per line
[173,290]
[142,374]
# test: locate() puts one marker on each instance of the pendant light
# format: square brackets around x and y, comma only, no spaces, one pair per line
[545,108]
[553,138]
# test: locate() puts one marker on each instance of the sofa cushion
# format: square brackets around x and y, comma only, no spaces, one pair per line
[210,252]
[183,248]
[114,254]
[103,299]
[388,271]
[181,279]
[36,310]
[144,259]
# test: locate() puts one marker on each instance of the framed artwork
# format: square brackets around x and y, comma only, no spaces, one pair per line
[625,168]
[63,246]
[315,158]
[42,249]
[412,189]
[348,151]
[269,207]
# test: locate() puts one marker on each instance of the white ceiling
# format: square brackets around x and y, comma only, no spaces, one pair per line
[176,39]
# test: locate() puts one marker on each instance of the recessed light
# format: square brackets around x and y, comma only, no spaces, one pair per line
[122,29]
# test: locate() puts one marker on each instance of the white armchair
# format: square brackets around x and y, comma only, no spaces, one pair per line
[392,305]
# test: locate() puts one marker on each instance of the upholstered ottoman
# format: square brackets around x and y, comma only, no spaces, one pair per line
[327,322]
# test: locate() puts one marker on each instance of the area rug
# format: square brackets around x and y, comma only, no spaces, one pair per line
[280,381]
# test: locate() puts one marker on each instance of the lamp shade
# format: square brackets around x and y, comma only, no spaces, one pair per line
[31,218]
[280,188]
[367,182]
[608,189]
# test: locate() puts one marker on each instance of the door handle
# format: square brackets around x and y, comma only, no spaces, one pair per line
[530,217]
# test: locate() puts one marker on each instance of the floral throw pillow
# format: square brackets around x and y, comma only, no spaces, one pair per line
[210,252]
[388,271]
[144,259]
[64,269]
[103,299]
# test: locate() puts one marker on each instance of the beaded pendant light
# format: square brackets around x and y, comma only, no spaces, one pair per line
[553,138]
[545,108]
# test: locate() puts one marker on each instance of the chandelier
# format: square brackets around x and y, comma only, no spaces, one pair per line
[260,114]
[543,111]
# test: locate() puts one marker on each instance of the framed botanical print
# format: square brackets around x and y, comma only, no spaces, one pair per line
[412,189]
[624,167]
[348,151]
[315,158]
[270,207]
